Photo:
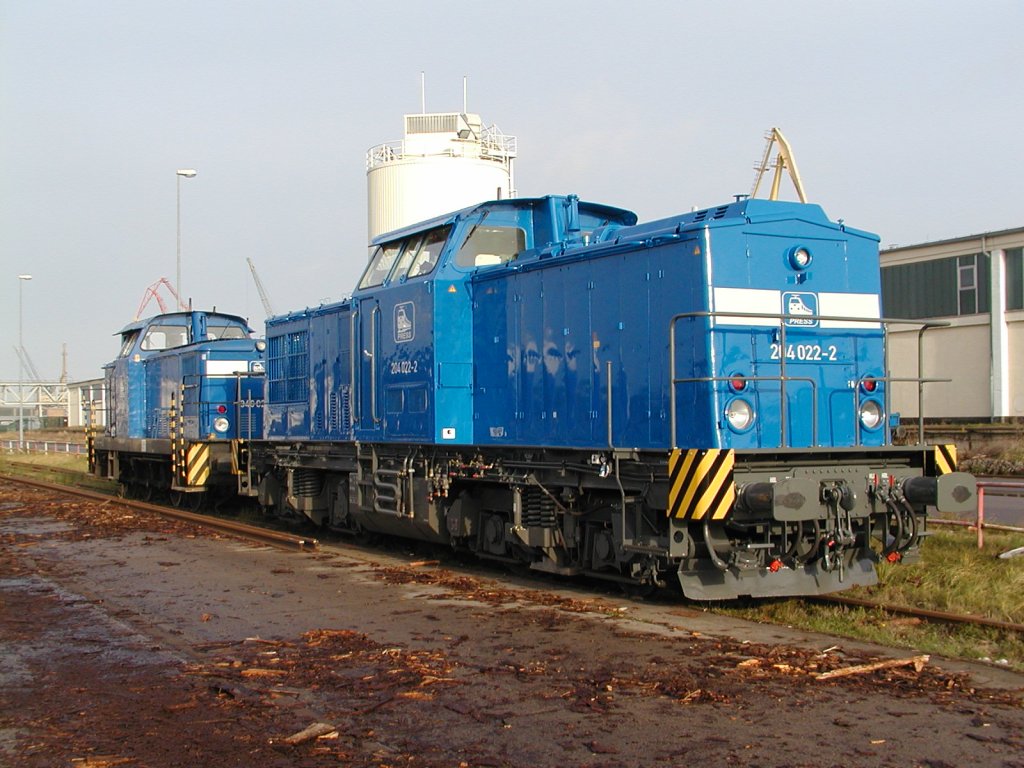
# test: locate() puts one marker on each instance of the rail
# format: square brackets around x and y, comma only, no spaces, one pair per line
[979,523]
[250,532]
[783,319]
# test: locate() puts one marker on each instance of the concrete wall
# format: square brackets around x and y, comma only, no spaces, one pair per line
[959,352]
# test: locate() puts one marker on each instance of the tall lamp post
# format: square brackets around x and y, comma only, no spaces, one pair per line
[21,368]
[187,173]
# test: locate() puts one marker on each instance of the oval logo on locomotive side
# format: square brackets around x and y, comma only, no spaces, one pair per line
[802,309]
[405,321]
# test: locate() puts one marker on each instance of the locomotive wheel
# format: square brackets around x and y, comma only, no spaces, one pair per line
[136,491]
[189,501]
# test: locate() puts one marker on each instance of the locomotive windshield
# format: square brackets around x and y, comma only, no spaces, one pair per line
[380,264]
[419,255]
[215,331]
[427,251]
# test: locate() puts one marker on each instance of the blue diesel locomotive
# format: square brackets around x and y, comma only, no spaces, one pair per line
[185,391]
[700,398]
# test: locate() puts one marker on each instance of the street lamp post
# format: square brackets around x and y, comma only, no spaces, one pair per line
[21,368]
[187,173]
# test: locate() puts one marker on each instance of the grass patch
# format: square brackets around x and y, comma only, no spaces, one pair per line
[70,461]
[952,576]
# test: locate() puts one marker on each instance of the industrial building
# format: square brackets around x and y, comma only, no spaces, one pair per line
[975,285]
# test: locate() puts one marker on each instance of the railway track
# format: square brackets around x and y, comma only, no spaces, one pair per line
[270,537]
[924,614]
[252,533]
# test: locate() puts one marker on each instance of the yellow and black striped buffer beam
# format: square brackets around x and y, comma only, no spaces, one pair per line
[944,457]
[701,483]
[197,464]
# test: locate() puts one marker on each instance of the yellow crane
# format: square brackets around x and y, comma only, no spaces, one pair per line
[784,160]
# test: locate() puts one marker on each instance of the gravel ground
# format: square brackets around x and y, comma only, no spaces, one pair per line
[129,641]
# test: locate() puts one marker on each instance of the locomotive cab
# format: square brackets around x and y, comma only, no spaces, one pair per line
[415,311]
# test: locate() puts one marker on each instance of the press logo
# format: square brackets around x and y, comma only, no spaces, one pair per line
[802,309]
[405,321]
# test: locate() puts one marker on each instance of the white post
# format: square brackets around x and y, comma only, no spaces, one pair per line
[21,367]
[187,173]
[999,336]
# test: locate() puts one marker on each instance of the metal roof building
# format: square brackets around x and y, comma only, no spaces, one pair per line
[976,285]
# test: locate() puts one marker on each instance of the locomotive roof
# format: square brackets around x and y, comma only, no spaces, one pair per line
[628,217]
[146,321]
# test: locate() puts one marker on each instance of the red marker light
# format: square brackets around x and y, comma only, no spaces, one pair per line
[222,409]
[868,385]
[737,383]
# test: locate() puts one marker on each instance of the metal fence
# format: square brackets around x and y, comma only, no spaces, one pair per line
[42,446]
[1010,488]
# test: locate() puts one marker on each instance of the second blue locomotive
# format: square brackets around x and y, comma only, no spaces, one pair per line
[185,394]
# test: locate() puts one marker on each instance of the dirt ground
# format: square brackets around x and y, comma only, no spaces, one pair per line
[133,642]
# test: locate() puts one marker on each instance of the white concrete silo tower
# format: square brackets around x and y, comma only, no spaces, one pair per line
[446,161]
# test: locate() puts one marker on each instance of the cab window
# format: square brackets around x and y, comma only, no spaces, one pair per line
[428,252]
[380,265]
[127,343]
[412,245]
[496,239]
[165,337]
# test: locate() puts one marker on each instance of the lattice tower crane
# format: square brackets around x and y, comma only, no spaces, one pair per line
[260,289]
[152,292]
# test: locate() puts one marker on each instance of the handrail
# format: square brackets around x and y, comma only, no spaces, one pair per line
[249,404]
[492,145]
[882,322]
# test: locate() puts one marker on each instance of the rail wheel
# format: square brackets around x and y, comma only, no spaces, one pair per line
[189,501]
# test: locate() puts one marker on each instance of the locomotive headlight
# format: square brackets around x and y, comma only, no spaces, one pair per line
[870,414]
[260,345]
[739,414]
[221,424]
[799,258]
[256,366]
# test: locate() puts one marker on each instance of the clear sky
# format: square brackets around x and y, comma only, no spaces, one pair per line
[905,116]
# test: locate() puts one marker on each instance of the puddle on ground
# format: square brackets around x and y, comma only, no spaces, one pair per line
[33,526]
